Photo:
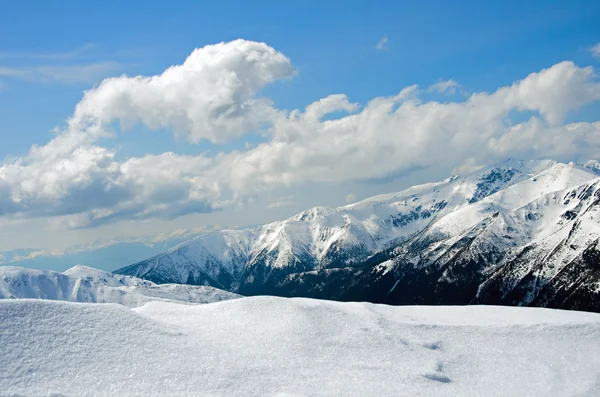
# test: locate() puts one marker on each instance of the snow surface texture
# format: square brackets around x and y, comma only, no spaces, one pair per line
[85,284]
[266,346]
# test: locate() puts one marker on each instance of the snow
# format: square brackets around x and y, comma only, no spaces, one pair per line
[266,346]
[97,276]
[85,284]
[221,252]
[553,180]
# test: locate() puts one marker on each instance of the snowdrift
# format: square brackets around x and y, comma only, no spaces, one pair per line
[267,346]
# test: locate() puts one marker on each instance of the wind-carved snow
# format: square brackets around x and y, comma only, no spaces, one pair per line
[85,284]
[266,346]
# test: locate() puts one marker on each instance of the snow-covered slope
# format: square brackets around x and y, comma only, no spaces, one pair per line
[265,346]
[328,238]
[85,284]
[504,249]
[217,259]
[560,265]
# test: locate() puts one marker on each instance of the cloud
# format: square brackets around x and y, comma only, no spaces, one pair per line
[444,87]
[211,96]
[595,50]
[392,135]
[70,67]
[52,56]
[382,44]
[69,74]
[350,198]
[37,254]
[280,202]
[215,95]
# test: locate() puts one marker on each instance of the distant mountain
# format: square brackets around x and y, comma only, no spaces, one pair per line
[84,284]
[503,235]
[592,166]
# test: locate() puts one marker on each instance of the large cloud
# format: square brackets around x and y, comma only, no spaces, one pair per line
[213,96]
[393,135]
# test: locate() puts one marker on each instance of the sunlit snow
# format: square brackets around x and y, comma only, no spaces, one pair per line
[266,346]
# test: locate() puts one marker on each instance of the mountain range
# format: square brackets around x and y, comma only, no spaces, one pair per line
[85,284]
[515,233]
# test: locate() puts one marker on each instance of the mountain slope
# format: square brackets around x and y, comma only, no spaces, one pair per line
[215,259]
[84,284]
[544,253]
[563,268]
[266,346]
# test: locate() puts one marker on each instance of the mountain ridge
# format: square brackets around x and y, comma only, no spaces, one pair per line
[86,284]
[343,253]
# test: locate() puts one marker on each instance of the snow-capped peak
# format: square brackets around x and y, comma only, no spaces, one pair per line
[313,214]
[93,275]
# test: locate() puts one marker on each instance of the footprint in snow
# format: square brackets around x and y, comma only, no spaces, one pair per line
[438,374]
[433,345]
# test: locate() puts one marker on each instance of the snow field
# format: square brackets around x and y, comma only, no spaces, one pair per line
[266,346]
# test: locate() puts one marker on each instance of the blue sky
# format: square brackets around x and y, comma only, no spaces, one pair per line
[50,53]
[481,44]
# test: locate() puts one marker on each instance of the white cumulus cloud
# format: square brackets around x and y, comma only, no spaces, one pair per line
[391,136]
[444,86]
[213,96]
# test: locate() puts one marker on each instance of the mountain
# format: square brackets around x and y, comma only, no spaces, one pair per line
[504,250]
[217,259]
[451,242]
[592,166]
[85,284]
[324,237]
[269,346]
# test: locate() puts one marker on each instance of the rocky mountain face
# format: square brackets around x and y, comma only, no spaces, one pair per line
[514,233]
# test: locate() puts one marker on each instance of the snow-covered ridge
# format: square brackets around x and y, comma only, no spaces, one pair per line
[85,284]
[324,238]
[266,346]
